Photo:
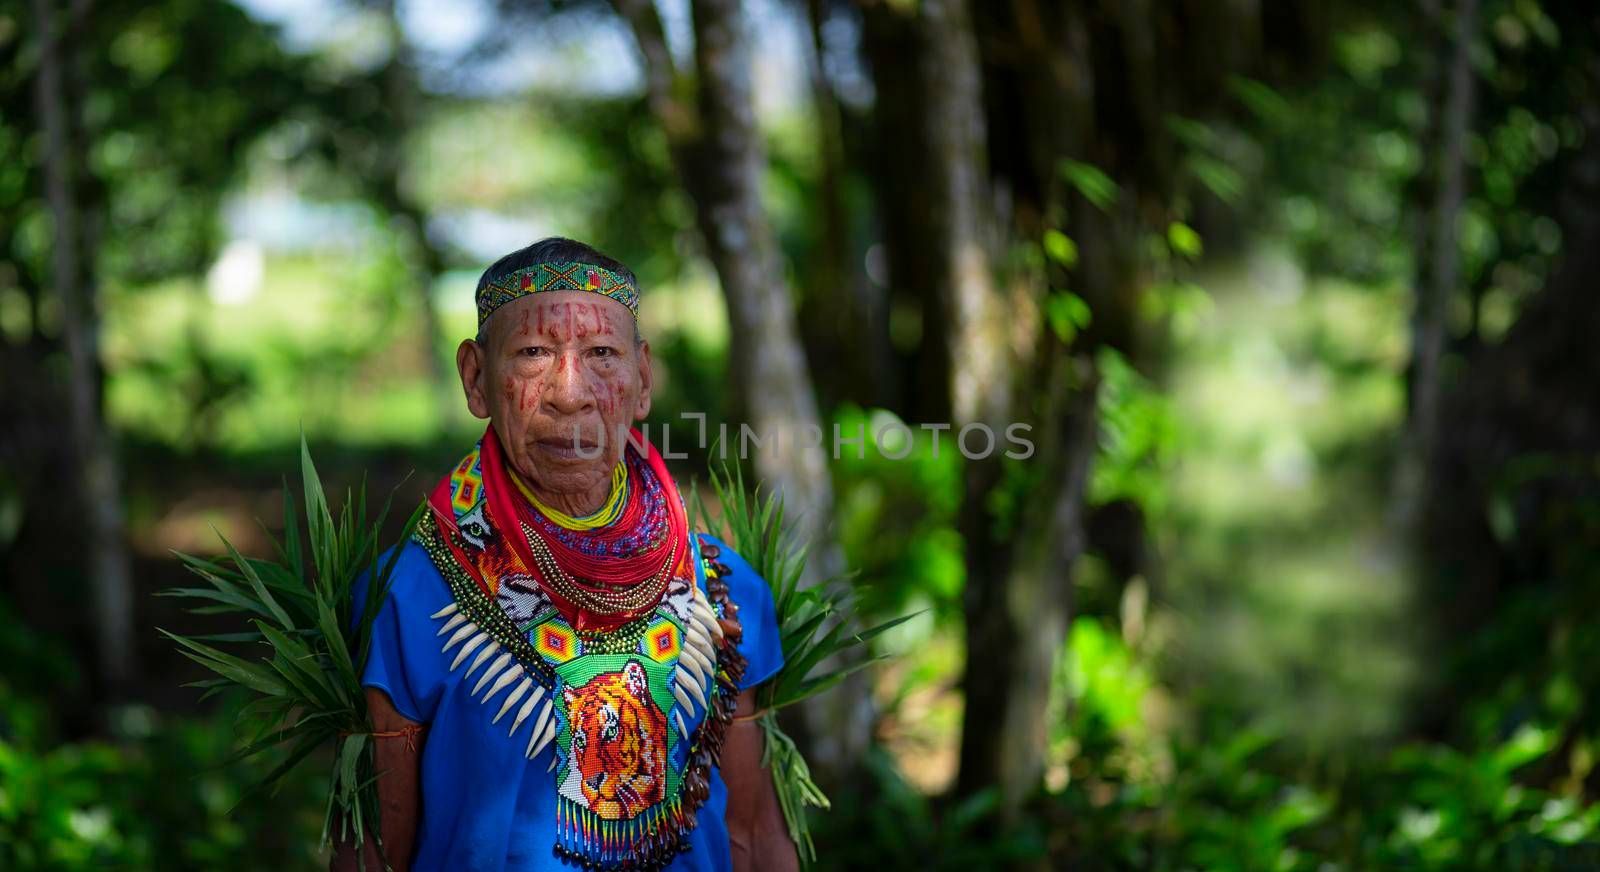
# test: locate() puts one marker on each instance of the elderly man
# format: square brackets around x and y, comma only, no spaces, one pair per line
[561,674]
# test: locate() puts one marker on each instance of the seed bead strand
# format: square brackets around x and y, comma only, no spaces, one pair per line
[633,599]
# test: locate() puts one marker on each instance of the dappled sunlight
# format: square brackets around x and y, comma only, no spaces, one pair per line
[1294,600]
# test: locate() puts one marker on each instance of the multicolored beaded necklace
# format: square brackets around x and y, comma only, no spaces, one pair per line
[604,641]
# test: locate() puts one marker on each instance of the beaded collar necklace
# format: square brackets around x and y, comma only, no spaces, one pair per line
[600,574]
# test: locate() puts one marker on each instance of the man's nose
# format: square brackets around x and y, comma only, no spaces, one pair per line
[565,390]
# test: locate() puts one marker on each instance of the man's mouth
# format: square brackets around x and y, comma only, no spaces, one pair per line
[569,448]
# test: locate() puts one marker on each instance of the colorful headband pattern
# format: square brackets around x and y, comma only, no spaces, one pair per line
[543,277]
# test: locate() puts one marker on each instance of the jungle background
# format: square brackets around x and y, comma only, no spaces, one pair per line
[1296,297]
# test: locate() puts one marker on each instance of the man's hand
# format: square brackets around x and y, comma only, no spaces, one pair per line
[398,762]
[757,833]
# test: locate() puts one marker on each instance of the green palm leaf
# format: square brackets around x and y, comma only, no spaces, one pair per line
[299,651]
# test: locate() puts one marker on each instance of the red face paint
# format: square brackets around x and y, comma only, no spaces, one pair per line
[549,323]
[612,398]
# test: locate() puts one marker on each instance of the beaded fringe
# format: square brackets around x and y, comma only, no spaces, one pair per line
[652,840]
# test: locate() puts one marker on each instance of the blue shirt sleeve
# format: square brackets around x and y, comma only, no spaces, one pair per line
[404,660]
[762,645]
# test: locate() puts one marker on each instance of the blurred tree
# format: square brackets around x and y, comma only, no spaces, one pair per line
[1039,143]
[1480,142]
[117,149]
[721,161]
[962,317]
[843,315]
[93,458]
[941,234]
[891,45]
[1512,507]
[1438,252]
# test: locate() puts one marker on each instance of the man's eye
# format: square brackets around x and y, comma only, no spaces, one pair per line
[603,351]
[534,351]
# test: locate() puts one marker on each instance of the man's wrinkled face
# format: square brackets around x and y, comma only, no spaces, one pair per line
[561,376]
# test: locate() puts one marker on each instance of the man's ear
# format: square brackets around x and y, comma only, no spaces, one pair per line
[646,377]
[471,361]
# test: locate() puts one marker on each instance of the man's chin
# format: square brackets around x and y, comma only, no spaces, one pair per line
[553,481]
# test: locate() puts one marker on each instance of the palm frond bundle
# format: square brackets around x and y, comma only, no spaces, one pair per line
[300,661]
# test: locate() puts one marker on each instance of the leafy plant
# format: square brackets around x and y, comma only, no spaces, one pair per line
[889,823]
[302,660]
[114,803]
[815,628]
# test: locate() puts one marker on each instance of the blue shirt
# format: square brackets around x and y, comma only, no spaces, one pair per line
[485,806]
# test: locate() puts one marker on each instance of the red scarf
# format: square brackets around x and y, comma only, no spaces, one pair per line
[602,578]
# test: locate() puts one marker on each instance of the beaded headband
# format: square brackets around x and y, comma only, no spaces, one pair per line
[543,277]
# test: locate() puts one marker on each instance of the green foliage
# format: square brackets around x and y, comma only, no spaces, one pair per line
[1106,682]
[1431,806]
[152,799]
[1209,157]
[895,517]
[305,688]
[175,92]
[1138,438]
[1184,241]
[1069,314]
[1241,799]
[1060,248]
[889,824]
[1227,796]
[815,623]
[1090,181]
[1180,305]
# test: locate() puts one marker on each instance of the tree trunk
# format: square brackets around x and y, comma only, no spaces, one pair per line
[765,341]
[1047,87]
[97,475]
[720,158]
[1512,482]
[725,179]
[425,264]
[1017,601]
[963,279]
[900,166]
[1438,276]
[841,318]
[1024,613]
